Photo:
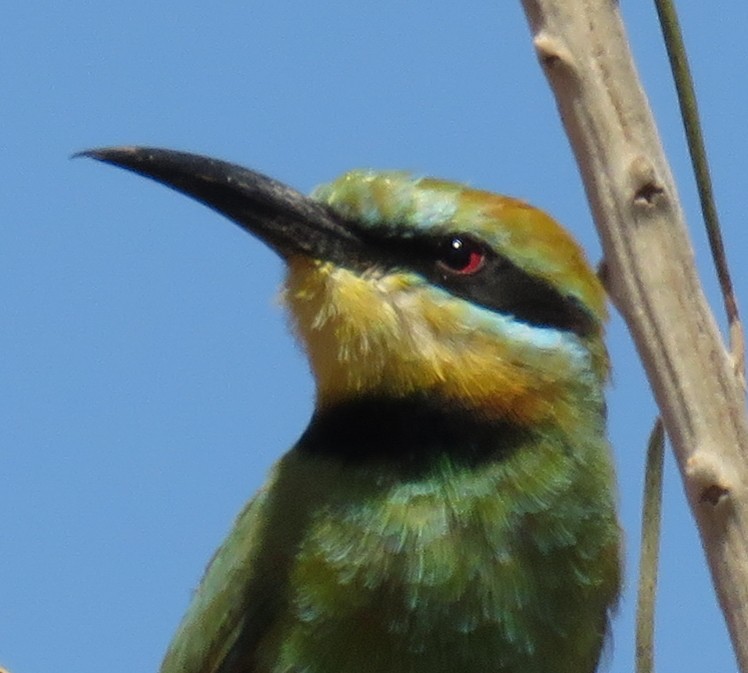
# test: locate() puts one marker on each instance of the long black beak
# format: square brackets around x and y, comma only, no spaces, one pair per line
[289,222]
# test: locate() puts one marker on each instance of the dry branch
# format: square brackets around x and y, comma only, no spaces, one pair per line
[651,276]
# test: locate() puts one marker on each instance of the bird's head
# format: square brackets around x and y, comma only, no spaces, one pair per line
[401,286]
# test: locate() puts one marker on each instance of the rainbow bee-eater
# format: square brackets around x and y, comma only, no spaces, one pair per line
[450,507]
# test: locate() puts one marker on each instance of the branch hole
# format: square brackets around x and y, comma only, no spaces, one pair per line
[550,60]
[713,494]
[649,194]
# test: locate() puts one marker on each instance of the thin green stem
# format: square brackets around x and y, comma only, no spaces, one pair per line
[650,550]
[690,112]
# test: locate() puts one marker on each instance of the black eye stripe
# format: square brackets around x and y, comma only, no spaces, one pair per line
[498,284]
[502,286]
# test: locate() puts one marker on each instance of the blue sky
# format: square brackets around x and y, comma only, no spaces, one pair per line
[147,376]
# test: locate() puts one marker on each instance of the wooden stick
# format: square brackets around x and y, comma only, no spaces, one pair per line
[584,53]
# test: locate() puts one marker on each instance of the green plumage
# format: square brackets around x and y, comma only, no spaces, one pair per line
[506,566]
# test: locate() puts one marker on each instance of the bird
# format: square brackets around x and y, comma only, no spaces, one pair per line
[451,505]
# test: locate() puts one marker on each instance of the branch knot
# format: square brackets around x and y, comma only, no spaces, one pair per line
[649,191]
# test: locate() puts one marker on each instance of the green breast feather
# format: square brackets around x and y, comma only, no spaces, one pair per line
[507,567]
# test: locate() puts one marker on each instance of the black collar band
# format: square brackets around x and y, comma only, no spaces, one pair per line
[411,434]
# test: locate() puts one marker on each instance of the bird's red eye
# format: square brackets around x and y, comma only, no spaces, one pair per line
[460,255]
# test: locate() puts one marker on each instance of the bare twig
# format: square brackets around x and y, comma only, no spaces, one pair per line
[583,50]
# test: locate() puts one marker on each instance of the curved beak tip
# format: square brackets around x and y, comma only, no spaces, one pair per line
[110,154]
